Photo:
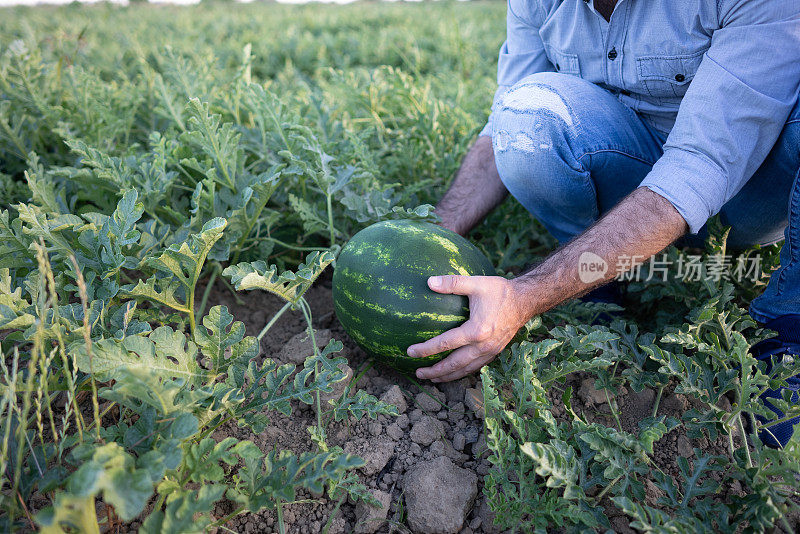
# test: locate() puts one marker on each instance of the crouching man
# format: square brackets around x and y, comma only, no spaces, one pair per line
[621,126]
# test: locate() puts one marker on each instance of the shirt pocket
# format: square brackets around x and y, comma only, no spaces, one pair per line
[667,78]
[563,62]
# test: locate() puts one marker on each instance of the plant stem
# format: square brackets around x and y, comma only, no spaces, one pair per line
[281,525]
[190,306]
[786,524]
[613,411]
[779,421]
[318,402]
[87,340]
[730,442]
[236,297]
[307,312]
[606,489]
[333,514]
[102,414]
[208,431]
[27,513]
[294,247]
[220,522]
[744,440]
[369,364]
[167,101]
[273,320]
[330,219]
[658,401]
[213,278]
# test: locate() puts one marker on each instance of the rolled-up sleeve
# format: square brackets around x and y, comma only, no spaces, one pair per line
[734,109]
[522,53]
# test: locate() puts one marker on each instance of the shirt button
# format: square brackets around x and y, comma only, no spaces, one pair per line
[679,77]
[612,54]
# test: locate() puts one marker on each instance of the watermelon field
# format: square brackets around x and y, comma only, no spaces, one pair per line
[176,186]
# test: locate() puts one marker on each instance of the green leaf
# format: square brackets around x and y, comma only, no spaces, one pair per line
[166,290]
[187,513]
[67,513]
[280,475]
[111,471]
[556,462]
[220,144]
[105,240]
[164,353]
[14,309]
[48,227]
[288,285]
[202,461]
[14,243]
[273,387]
[361,404]
[653,429]
[276,391]
[225,347]
[179,268]
[313,221]
[703,466]
[138,389]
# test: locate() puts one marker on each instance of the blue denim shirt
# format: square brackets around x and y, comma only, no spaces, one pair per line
[718,76]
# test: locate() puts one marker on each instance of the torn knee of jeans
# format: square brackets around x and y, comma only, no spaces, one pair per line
[523,141]
[533,119]
[537,98]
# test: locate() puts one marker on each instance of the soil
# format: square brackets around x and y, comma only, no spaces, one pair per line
[441,420]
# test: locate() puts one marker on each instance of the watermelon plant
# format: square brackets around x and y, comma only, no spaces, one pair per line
[577,470]
[117,371]
[157,384]
[149,155]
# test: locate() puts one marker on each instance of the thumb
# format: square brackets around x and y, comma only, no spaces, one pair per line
[453,284]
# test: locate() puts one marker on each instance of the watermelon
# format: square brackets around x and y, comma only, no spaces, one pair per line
[380,290]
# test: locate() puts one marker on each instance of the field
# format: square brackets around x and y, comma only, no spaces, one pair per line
[175,185]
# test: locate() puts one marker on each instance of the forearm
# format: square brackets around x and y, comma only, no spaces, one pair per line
[640,226]
[475,191]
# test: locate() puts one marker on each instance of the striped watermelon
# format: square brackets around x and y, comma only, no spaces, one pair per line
[380,289]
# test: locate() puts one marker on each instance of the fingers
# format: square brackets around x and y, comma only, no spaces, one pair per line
[450,340]
[454,284]
[456,362]
[464,371]
[477,341]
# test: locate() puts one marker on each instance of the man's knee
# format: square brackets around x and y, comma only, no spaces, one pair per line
[534,125]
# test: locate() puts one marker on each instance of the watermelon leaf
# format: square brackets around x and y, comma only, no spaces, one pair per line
[178,269]
[289,285]
[165,353]
[222,340]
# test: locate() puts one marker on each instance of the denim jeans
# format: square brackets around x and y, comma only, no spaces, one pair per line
[569,151]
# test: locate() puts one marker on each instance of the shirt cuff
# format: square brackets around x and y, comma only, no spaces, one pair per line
[695,186]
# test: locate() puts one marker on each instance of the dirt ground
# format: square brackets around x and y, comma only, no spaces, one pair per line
[453,411]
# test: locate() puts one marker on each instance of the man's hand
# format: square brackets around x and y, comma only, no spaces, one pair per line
[642,224]
[496,313]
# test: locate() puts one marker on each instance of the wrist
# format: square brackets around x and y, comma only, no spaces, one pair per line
[450,223]
[527,297]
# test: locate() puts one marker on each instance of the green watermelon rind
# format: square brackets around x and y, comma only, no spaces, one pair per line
[381,288]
